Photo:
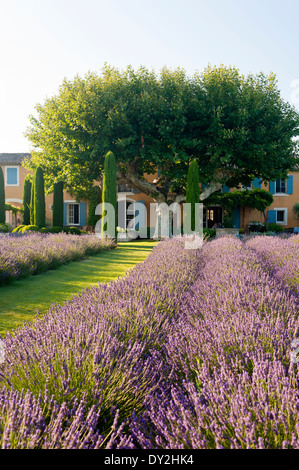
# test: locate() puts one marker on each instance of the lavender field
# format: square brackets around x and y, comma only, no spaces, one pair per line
[37,252]
[190,350]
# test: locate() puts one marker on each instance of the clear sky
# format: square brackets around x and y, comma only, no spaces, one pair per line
[44,41]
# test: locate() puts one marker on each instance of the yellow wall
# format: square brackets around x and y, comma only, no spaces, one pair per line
[281,201]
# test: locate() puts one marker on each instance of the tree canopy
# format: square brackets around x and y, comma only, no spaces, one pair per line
[236,127]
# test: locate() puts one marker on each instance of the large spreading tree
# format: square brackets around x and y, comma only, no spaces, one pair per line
[236,127]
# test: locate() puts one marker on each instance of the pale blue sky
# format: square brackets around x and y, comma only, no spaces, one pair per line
[43,41]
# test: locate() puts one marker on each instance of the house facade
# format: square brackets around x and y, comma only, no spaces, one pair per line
[285,194]
[75,213]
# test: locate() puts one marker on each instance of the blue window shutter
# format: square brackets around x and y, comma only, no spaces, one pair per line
[225,189]
[64,213]
[237,217]
[271,217]
[11,176]
[290,185]
[272,187]
[256,183]
[82,213]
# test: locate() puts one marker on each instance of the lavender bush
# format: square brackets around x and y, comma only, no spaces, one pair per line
[190,350]
[36,253]
[235,386]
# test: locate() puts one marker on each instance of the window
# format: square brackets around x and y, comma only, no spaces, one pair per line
[280,186]
[73,214]
[130,214]
[12,176]
[281,215]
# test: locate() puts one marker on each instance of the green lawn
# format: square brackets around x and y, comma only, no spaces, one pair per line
[20,300]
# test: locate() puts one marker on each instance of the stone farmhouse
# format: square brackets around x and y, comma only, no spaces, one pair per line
[285,193]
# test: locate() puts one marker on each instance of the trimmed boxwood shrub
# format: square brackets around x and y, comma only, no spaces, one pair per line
[55,229]
[30,228]
[5,228]
[275,228]
[18,229]
[72,230]
[44,230]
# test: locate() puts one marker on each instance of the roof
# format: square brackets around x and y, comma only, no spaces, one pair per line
[13,158]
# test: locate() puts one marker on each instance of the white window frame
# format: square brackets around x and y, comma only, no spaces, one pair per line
[285,209]
[68,203]
[18,179]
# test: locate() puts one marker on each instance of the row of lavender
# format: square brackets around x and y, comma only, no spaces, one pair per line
[236,384]
[36,253]
[148,362]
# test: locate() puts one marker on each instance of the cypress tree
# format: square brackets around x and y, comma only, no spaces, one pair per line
[26,201]
[58,204]
[2,198]
[39,199]
[109,189]
[95,199]
[32,201]
[192,189]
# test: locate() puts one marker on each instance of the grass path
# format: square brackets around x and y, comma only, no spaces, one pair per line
[20,300]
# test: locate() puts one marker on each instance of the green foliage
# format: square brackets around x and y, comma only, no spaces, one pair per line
[209,233]
[44,230]
[275,228]
[228,220]
[32,200]
[259,227]
[256,226]
[58,204]
[109,189]
[72,230]
[39,199]
[2,198]
[237,127]
[258,199]
[30,228]
[5,228]
[26,201]
[13,209]
[192,189]
[19,228]
[55,229]
[95,198]
[296,210]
